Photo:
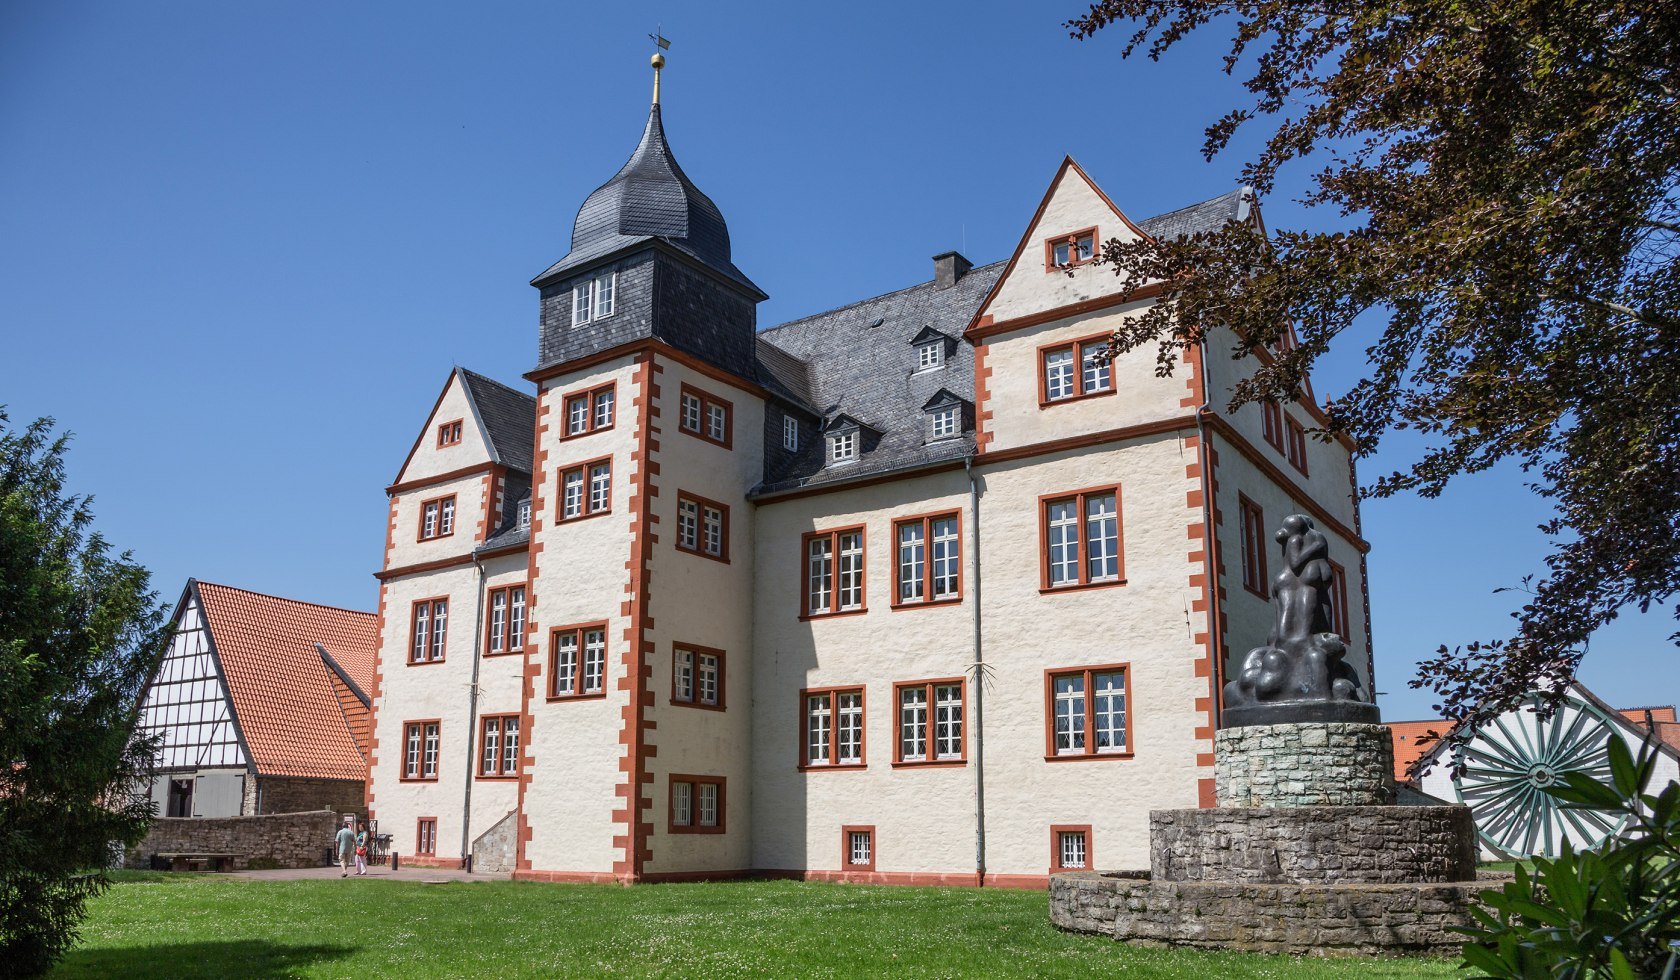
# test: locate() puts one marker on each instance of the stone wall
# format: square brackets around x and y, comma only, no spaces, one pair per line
[494,849]
[281,795]
[1372,844]
[1334,920]
[1304,764]
[284,840]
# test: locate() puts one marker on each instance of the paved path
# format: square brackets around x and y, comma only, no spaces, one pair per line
[383,871]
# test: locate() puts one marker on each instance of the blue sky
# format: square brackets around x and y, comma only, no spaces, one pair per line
[241,245]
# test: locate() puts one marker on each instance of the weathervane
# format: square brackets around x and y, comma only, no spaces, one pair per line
[660,45]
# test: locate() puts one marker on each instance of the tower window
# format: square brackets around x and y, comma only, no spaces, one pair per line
[790,433]
[524,520]
[449,434]
[930,355]
[1072,249]
[593,299]
[705,416]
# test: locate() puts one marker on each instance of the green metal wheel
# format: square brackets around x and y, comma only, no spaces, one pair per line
[1509,764]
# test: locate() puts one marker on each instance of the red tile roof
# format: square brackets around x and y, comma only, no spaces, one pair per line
[283,699]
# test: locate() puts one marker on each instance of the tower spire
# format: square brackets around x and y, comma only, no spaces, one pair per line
[660,46]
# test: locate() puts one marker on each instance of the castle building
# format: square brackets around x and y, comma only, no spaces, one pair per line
[920,589]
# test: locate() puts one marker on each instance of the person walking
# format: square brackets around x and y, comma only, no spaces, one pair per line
[361,848]
[346,842]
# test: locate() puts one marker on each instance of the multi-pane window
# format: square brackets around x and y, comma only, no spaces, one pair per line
[449,434]
[1295,443]
[1251,528]
[697,804]
[437,518]
[1339,602]
[505,626]
[930,722]
[590,411]
[790,433]
[929,565]
[702,526]
[697,676]
[523,522]
[420,750]
[1072,249]
[858,848]
[586,490]
[1087,708]
[705,416]
[499,745]
[425,836]
[1075,370]
[834,572]
[577,661]
[1071,847]
[946,422]
[1271,424]
[930,355]
[833,730]
[1082,539]
[431,631]
[593,299]
[843,445]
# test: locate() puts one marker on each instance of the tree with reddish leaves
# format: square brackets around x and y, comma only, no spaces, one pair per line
[1511,172]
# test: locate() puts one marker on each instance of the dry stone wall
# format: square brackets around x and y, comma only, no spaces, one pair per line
[1304,764]
[1371,844]
[281,840]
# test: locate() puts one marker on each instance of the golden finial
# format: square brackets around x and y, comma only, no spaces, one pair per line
[658,61]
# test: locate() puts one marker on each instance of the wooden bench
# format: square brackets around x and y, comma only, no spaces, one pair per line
[193,861]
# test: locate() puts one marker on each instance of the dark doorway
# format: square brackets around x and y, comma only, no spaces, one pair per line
[180,798]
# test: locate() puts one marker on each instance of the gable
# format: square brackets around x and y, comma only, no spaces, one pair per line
[1072,204]
[186,702]
[427,459]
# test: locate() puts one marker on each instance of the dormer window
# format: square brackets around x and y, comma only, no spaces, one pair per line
[790,433]
[592,299]
[946,423]
[1065,251]
[843,445]
[930,355]
[524,519]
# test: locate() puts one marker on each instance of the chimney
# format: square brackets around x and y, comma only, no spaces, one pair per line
[948,267]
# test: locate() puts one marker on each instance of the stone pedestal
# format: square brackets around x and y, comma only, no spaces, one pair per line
[1306,764]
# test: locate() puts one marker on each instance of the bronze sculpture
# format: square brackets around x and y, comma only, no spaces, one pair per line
[1299,674]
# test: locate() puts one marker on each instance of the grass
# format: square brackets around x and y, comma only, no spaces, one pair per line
[167,925]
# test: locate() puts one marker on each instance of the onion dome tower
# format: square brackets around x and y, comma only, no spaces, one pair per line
[649,258]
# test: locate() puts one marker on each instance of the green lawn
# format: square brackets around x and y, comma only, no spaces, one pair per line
[210,926]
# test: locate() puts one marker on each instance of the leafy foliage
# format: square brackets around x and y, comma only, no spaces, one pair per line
[1509,171]
[1610,913]
[79,630]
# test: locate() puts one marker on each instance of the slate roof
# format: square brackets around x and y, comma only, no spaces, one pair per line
[1203,216]
[509,417]
[509,532]
[649,198]
[283,697]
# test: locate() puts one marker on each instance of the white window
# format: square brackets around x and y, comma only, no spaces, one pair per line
[947,556]
[711,676]
[524,519]
[682,804]
[1058,374]
[1097,371]
[594,659]
[834,728]
[1064,542]
[429,756]
[582,302]
[422,632]
[1084,539]
[690,412]
[851,570]
[1074,249]
[498,620]
[712,521]
[708,793]
[565,663]
[1095,374]
[843,446]
[790,433]
[577,416]
[568,681]
[912,724]
[440,627]
[947,422]
[930,704]
[848,742]
[603,407]
[571,501]
[1089,706]
[593,299]
[688,525]
[411,754]
[1108,711]
[1102,538]
[947,721]
[717,423]
[600,486]
[1070,714]
[1071,849]
[682,681]
[930,355]
[516,635]
[446,520]
[510,745]
[604,290]
[819,729]
[912,561]
[819,574]
[860,848]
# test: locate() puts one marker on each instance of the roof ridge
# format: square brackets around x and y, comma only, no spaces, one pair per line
[1240,188]
[505,387]
[871,299]
[300,602]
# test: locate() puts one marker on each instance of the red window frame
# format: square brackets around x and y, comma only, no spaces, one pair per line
[695,782]
[1089,752]
[1251,532]
[833,695]
[1340,622]
[805,610]
[449,434]
[927,599]
[1078,347]
[846,832]
[700,505]
[1073,253]
[933,761]
[591,398]
[502,771]
[554,661]
[1084,582]
[584,469]
[420,759]
[454,518]
[1271,424]
[514,642]
[693,700]
[425,837]
[1296,443]
[1056,832]
[430,647]
[707,402]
